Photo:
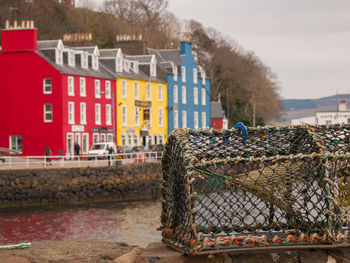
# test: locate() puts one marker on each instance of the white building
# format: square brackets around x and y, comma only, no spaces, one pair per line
[342,115]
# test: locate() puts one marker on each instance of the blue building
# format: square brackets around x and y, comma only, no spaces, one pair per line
[188,88]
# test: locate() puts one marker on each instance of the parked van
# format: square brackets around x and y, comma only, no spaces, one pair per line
[100,150]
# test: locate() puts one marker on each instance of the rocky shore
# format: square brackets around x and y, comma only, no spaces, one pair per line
[107,252]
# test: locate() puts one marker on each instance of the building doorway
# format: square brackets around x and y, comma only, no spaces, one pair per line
[70,140]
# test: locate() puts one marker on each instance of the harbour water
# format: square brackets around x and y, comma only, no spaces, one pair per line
[134,223]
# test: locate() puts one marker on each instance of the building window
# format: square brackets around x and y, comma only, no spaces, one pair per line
[176,119]
[150,116]
[108,90]
[184,119]
[203,78]
[110,137]
[94,62]
[176,92]
[123,140]
[71,112]
[47,86]
[149,91]
[103,137]
[119,62]
[204,120]
[97,113]
[195,96]
[82,87]
[183,74]
[130,140]
[160,92]
[153,70]
[136,140]
[124,116]
[16,143]
[47,112]
[97,88]
[183,94]
[136,85]
[195,119]
[70,86]
[203,97]
[175,72]
[108,114]
[124,89]
[71,58]
[95,137]
[195,76]
[160,118]
[84,60]
[82,113]
[137,116]
[59,57]
[85,143]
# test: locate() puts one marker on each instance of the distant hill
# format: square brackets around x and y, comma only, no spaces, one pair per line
[300,104]
[295,108]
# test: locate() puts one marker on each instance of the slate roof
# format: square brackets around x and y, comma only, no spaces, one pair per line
[216,110]
[165,55]
[47,44]
[108,53]
[46,51]
[142,59]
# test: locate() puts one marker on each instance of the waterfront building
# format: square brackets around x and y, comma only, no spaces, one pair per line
[341,115]
[52,95]
[218,119]
[188,87]
[141,98]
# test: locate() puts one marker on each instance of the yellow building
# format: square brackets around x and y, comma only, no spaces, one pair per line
[141,99]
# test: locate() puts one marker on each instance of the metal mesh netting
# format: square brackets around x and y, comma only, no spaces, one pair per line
[282,186]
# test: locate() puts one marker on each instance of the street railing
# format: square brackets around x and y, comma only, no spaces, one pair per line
[37,162]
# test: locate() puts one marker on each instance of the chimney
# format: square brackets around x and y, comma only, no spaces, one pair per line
[186,46]
[18,38]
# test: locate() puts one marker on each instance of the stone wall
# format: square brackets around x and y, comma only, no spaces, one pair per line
[79,185]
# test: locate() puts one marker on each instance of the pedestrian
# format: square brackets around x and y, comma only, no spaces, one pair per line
[77,150]
[110,153]
[47,154]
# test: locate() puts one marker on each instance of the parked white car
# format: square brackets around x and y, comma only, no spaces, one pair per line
[100,150]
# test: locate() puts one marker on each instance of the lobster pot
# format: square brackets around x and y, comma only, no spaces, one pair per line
[278,188]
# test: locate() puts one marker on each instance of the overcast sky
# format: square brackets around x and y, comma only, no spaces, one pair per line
[305,42]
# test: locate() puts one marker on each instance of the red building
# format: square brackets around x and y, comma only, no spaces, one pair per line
[218,119]
[52,95]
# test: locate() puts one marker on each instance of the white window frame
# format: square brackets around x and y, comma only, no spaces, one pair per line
[94,136]
[184,119]
[97,88]
[108,114]
[183,94]
[95,62]
[59,56]
[103,137]
[203,78]
[195,120]
[71,58]
[82,87]
[176,119]
[204,101]
[195,96]
[149,91]
[47,87]
[124,139]
[136,140]
[82,113]
[87,143]
[204,120]
[136,90]
[130,140]
[48,112]
[150,116]
[160,117]
[108,89]
[70,86]
[124,90]
[195,75]
[71,115]
[183,74]
[84,60]
[16,146]
[176,94]
[137,116]
[175,72]
[124,116]
[97,113]
[160,92]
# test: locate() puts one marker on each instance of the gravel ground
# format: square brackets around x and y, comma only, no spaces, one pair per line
[65,251]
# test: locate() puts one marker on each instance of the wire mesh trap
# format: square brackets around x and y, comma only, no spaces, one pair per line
[280,188]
